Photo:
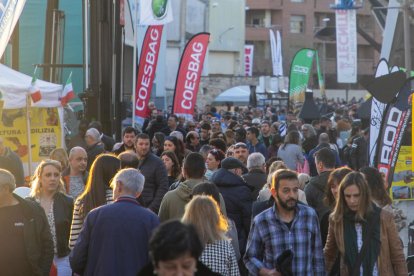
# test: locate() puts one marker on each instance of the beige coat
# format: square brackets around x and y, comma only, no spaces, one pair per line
[391,260]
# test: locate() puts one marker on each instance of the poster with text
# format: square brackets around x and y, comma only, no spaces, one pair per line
[45,131]
[403,182]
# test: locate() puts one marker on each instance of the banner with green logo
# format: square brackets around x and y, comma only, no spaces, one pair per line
[155,12]
[299,74]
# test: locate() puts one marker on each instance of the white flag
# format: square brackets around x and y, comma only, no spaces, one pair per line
[155,12]
[273,51]
[10,11]
[279,63]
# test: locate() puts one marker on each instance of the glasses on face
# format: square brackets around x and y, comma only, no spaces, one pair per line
[240,145]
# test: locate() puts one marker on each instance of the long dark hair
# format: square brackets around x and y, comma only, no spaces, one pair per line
[102,171]
[176,168]
[179,147]
[376,185]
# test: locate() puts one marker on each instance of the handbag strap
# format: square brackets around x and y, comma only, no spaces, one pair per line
[362,253]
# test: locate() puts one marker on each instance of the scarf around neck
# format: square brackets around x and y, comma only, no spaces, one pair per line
[350,240]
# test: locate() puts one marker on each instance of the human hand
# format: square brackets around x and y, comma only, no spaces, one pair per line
[269,272]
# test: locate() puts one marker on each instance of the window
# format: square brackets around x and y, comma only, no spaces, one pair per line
[297,24]
[256,22]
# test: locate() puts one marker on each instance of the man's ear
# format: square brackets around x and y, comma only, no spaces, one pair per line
[273,191]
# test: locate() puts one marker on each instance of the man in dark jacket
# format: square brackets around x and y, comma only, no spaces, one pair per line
[315,190]
[10,161]
[129,135]
[95,146]
[256,177]
[172,125]
[108,141]
[26,242]
[323,143]
[237,196]
[115,238]
[155,172]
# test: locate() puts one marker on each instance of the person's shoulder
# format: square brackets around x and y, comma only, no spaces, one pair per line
[306,210]
[65,198]
[264,215]
[386,215]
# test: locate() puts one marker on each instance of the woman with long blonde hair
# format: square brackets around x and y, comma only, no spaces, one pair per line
[48,190]
[364,235]
[204,214]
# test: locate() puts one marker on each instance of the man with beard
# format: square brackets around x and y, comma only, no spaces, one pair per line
[154,171]
[128,139]
[286,230]
[241,152]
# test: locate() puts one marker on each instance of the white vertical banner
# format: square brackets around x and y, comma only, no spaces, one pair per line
[273,51]
[279,61]
[10,11]
[248,60]
[346,45]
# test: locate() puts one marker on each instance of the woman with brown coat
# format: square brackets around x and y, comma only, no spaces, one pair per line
[364,235]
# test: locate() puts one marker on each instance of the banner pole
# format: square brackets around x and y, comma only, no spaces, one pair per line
[29,141]
[134,62]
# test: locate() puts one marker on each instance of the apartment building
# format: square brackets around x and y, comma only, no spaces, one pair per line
[299,22]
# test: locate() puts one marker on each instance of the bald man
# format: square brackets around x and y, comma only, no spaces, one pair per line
[76,175]
[10,161]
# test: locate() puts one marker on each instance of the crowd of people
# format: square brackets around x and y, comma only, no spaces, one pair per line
[244,192]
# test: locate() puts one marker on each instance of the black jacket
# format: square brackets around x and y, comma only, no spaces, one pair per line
[255,178]
[359,153]
[156,182]
[11,161]
[237,196]
[63,212]
[315,193]
[93,151]
[37,238]
[108,141]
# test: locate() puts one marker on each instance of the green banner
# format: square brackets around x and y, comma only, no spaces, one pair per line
[299,74]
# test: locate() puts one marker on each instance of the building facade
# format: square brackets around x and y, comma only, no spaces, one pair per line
[298,22]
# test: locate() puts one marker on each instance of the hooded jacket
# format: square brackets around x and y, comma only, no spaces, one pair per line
[237,196]
[173,203]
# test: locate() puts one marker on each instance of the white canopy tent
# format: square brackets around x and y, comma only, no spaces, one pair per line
[237,95]
[14,87]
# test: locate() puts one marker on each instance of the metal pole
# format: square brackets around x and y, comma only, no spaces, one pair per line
[134,61]
[28,134]
[407,38]
[86,42]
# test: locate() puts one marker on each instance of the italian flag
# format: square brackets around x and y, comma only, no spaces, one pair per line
[68,93]
[35,91]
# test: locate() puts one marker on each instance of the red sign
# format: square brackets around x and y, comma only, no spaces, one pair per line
[248,60]
[189,74]
[122,12]
[146,71]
